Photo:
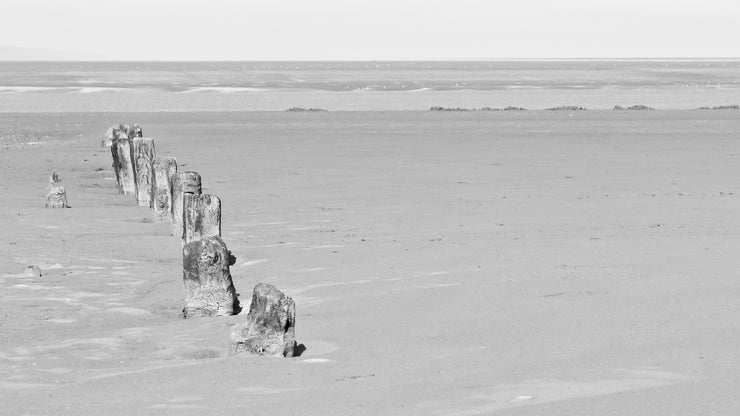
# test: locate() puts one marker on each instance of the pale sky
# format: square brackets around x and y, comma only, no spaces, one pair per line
[373,29]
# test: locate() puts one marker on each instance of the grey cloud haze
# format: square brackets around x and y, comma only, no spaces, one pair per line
[379,29]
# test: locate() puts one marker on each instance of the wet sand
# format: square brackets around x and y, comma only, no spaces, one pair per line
[442,263]
[45,101]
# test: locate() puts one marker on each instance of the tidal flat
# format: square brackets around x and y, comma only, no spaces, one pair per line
[442,263]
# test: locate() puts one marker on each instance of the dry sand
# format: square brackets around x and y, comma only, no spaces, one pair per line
[535,263]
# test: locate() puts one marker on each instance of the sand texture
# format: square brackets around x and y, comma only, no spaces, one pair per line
[538,263]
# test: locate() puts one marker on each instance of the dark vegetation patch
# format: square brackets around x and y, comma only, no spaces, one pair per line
[721,107]
[566,108]
[301,110]
[633,107]
[437,108]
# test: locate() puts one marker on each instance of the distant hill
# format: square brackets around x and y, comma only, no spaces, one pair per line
[15,53]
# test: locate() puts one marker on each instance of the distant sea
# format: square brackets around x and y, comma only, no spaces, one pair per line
[356,86]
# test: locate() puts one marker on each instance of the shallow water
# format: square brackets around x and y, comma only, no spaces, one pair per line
[191,86]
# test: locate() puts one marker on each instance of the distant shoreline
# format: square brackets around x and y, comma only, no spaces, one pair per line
[566,109]
[366,85]
[632,59]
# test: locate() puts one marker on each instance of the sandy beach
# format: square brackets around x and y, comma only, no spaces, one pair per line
[472,263]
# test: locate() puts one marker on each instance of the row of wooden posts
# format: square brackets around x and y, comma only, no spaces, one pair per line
[177,197]
[173,197]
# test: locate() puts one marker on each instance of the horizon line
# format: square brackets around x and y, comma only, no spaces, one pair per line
[388,60]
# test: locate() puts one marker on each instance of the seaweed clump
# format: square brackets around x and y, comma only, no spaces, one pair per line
[301,109]
[721,107]
[566,108]
[633,107]
[439,108]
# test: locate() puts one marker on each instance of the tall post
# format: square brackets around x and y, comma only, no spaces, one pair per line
[122,164]
[57,197]
[143,157]
[201,217]
[209,289]
[164,168]
[182,183]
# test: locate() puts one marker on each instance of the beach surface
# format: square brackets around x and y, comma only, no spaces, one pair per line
[471,263]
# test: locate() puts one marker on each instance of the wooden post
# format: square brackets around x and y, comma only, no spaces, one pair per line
[125,179]
[143,157]
[182,183]
[270,325]
[164,167]
[201,217]
[57,197]
[209,290]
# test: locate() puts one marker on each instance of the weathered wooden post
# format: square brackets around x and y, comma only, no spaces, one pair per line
[201,217]
[57,197]
[182,183]
[143,157]
[122,165]
[209,290]
[270,325]
[164,167]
